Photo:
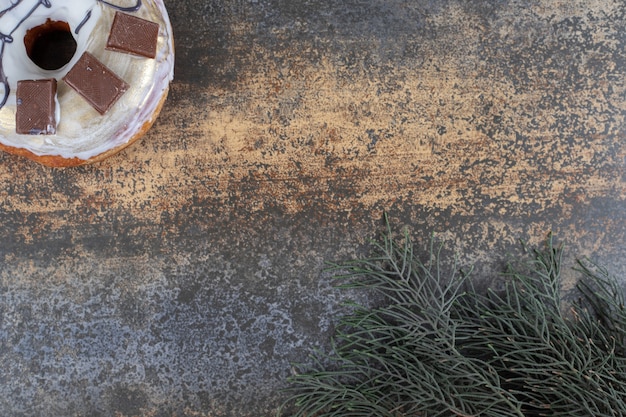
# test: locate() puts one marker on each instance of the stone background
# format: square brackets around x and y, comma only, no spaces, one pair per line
[183,276]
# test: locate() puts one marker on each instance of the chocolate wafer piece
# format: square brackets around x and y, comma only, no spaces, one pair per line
[96,83]
[35,110]
[133,35]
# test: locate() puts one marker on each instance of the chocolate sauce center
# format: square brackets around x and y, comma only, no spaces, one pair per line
[51,45]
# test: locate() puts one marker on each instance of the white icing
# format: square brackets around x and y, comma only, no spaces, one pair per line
[81,131]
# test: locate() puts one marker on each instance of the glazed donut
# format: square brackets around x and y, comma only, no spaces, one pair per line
[85,123]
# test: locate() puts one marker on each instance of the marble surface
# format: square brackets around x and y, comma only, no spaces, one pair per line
[183,276]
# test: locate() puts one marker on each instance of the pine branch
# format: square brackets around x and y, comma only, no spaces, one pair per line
[437,347]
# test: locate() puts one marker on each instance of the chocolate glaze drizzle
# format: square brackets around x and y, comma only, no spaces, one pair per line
[7,38]
[123,9]
[82,23]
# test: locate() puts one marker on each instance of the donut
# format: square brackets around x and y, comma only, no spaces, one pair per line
[81,79]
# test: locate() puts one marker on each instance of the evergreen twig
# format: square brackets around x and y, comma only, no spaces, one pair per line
[438,347]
